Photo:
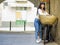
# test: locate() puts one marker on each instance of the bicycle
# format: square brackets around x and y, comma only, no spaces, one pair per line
[46,21]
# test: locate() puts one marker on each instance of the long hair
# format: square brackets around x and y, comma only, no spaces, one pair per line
[39,7]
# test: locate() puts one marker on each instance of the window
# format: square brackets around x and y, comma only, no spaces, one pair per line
[18,15]
[28,8]
[21,8]
[5,3]
[25,8]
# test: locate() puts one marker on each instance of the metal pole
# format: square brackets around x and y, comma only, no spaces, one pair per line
[24,25]
[10,25]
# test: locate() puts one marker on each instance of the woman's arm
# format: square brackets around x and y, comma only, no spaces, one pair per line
[39,11]
[47,13]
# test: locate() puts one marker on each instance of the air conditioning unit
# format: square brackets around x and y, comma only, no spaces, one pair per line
[5,3]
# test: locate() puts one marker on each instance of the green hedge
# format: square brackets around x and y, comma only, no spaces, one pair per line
[20,22]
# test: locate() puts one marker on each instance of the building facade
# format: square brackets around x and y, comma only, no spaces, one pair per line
[19,11]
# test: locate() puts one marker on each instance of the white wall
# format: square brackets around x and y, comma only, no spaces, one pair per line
[0,14]
[31,15]
[10,1]
[8,14]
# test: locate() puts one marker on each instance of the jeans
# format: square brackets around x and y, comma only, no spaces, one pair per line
[38,30]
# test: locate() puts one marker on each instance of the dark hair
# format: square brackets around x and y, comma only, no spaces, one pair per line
[39,7]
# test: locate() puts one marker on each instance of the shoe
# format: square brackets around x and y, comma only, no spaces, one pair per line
[38,40]
[46,41]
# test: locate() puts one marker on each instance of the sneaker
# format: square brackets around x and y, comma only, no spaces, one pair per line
[46,41]
[38,40]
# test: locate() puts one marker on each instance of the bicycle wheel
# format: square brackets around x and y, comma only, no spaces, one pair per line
[45,31]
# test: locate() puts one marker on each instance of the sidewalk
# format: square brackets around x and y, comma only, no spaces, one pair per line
[11,38]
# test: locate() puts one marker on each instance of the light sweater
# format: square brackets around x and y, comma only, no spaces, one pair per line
[41,13]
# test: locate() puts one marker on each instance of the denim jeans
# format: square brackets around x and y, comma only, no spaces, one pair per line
[37,26]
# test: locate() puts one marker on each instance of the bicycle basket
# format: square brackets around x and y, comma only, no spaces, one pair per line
[47,19]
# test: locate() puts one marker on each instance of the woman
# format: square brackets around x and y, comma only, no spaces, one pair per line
[37,24]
